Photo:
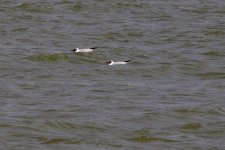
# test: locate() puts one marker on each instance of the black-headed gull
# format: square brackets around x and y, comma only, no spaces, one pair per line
[117,62]
[85,50]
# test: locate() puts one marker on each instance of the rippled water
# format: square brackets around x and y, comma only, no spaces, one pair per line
[171,95]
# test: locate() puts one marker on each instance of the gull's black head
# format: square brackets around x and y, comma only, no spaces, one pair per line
[74,50]
[108,62]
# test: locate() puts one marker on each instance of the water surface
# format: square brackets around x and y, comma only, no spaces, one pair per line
[171,95]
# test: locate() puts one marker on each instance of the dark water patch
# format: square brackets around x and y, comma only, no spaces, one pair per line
[8,94]
[120,70]
[99,98]
[191,126]
[31,7]
[211,75]
[63,2]
[164,68]
[192,67]
[216,111]
[120,50]
[220,86]
[161,16]
[30,103]
[169,56]
[205,9]
[114,36]
[25,40]
[214,53]
[27,136]
[5,125]
[45,57]
[214,33]
[56,124]
[148,139]
[134,34]
[16,129]
[209,130]
[82,75]
[29,86]
[81,58]
[62,141]
[22,29]
[214,129]
[200,111]
[150,116]
[27,17]
[187,113]
[181,94]
[94,128]
[188,110]
[157,71]
[142,55]
[78,6]
[100,91]
[128,5]
[83,23]
[144,132]
[45,76]
[213,133]
[51,110]
[125,35]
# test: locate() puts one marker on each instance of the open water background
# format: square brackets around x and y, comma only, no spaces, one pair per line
[171,96]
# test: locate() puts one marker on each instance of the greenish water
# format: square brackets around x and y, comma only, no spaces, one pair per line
[170,96]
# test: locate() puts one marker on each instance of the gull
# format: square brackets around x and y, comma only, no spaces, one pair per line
[117,62]
[85,50]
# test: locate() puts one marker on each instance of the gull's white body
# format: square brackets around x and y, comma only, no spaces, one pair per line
[85,50]
[117,62]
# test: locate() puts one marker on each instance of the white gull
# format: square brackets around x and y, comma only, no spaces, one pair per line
[117,62]
[85,50]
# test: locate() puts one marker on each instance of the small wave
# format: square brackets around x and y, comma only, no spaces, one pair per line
[215,33]
[78,6]
[147,139]
[32,8]
[62,140]
[60,125]
[199,111]
[113,36]
[214,53]
[48,57]
[212,75]
[191,126]
[122,5]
